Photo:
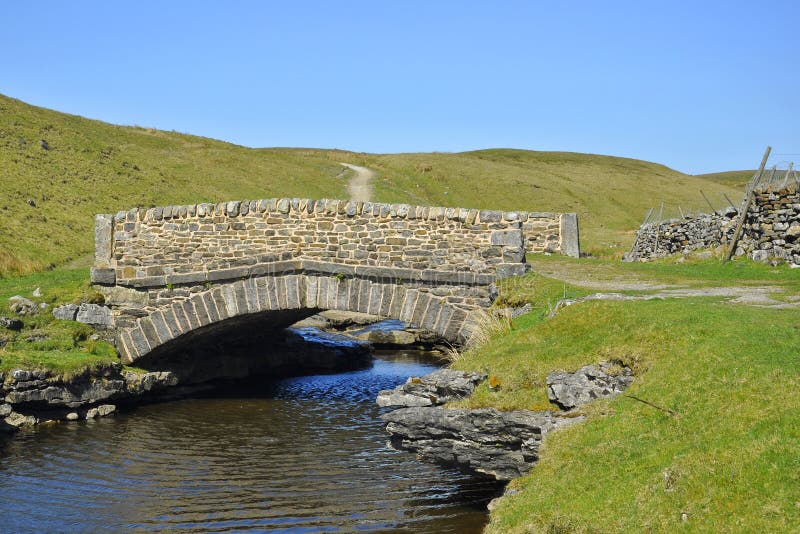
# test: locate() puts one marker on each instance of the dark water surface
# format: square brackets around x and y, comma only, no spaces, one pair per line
[301,454]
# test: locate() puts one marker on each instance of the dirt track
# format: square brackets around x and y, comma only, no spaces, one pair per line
[359,187]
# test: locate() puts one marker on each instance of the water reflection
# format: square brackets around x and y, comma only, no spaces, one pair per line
[303,454]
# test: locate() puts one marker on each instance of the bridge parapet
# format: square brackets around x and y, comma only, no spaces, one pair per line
[148,244]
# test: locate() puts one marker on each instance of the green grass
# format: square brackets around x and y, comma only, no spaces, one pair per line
[93,167]
[67,348]
[675,270]
[731,373]
[738,179]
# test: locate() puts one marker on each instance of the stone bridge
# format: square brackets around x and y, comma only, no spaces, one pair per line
[179,272]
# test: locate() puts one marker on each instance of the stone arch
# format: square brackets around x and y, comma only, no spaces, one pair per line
[308,292]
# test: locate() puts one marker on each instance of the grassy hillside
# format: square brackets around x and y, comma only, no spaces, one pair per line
[92,167]
[738,179]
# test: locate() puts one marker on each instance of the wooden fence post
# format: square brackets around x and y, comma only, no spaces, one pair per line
[788,172]
[730,202]
[709,203]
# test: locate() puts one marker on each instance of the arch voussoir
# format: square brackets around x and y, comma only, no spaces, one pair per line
[251,295]
[409,303]
[423,300]
[431,314]
[413,305]
[160,324]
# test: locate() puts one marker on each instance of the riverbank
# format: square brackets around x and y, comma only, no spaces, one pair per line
[37,395]
[702,440]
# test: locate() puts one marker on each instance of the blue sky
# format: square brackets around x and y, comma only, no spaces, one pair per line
[698,86]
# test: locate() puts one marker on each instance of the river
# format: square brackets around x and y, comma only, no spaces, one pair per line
[303,454]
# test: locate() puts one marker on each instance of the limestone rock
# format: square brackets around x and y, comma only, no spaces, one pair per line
[18,420]
[124,297]
[588,383]
[72,416]
[342,319]
[76,393]
[22,306]
[94,314]
[503,445]
[139,383]
[11,324]
[100,411]
[67,312]
[513,312]
[105,409]
[388,337]
[433,389]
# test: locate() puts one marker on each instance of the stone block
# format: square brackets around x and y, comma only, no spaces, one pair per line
[570,235]
[103,229]
[67,312]
[94,314]
[490,216]
[103,276]
[507,238]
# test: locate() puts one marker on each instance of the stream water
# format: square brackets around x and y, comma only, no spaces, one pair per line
[304,454]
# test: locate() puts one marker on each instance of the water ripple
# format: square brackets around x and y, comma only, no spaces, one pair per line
[302,454]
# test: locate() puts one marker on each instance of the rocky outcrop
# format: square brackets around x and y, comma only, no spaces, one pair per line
[378,331]
[71,394]
[434,389]
[141,383]
[67,312]
[95,315]
[30,396]
[503,445]
[101,411]
[389,338]
[11,324]
[22,306]
[91,314]
[588,383]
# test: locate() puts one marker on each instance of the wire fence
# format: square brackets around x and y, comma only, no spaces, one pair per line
[781,174]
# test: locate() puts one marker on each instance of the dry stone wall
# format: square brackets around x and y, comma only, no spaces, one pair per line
[772,227]
[682,235]
[771,230]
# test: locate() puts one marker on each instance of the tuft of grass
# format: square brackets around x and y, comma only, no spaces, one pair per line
[674,270]
[64,347]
